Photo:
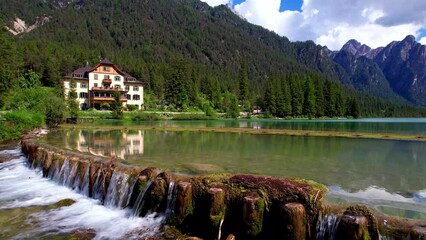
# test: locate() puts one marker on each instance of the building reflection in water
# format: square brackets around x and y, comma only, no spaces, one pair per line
[106,143]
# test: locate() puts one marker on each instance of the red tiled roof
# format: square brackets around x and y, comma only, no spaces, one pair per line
[83,72]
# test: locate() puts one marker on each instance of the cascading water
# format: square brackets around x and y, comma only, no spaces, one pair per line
[70,178]
[171,200]
[119,190]
[31,201]
[52,170]
[327,226]
[84,185]
[63,173]
[97,191]
[140,200]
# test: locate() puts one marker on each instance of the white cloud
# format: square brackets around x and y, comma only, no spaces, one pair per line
[327,22]
[215,3]
[423,40]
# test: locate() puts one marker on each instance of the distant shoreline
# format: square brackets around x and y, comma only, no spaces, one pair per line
[285,132]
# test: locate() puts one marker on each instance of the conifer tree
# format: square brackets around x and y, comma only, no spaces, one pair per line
[117,106]
[285,88]
[243,86]
[269,99]
[309,98]
[319,99]
[296,95]
[72,103]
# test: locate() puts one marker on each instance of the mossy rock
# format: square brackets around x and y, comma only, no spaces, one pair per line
[65,203]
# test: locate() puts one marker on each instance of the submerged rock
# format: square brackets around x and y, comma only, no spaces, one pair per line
[64,203]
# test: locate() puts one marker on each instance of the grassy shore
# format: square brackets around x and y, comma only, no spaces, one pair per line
[406,137]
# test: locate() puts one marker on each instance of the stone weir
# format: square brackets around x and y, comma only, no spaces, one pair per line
[213,206]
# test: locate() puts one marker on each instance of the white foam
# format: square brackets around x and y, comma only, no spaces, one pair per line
[22,187]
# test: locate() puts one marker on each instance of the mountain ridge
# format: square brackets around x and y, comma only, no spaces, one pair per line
[145,36]
[402,63]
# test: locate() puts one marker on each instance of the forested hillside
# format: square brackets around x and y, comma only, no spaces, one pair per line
[189,55]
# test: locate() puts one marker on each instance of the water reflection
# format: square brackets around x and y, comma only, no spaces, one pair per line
[120,144]
[353,164]
[390,125]
[384,173]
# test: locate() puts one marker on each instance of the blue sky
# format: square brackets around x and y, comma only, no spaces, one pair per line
[375,23]
[294,5]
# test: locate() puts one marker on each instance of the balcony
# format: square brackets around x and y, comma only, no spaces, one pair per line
[106,81]
[106,99]
[111,89]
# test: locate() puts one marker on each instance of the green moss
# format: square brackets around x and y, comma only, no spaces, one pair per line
[366,235]
[215,219]
[361,210]
[189,209]
[255,226]
[64,203]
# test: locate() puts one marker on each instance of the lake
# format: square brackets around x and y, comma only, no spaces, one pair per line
[369,125]
[386,174]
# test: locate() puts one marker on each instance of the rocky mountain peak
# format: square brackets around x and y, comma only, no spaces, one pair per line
[402,63]
[410,39]
[356,48]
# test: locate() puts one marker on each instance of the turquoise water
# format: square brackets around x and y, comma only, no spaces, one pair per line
[370,125]
[389,175]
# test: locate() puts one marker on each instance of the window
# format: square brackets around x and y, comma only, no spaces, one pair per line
[72,85]
[106,77]
[106,69]
[135,88]
[95,85]
[129,97]
[95,76]
[83,85]
[127,88]
[117,86]
[136,97]
[83,95]
[117,78]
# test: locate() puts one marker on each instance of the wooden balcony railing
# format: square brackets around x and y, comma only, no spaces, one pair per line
[111,89]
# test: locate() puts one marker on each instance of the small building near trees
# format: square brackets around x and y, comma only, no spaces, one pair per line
[95,86]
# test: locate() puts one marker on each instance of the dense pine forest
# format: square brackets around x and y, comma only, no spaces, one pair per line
[190,56]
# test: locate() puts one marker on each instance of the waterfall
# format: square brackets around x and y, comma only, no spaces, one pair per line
[171,200]
[22,187]
[140,200]
[52,170]
[97,191]
[33,164]
[63,173]
[119,189]
[70,178]
[327,226]
[84,186]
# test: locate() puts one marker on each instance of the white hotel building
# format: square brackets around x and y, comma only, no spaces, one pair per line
[96,85]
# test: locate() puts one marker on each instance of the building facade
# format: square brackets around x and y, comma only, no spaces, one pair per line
[95,86]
